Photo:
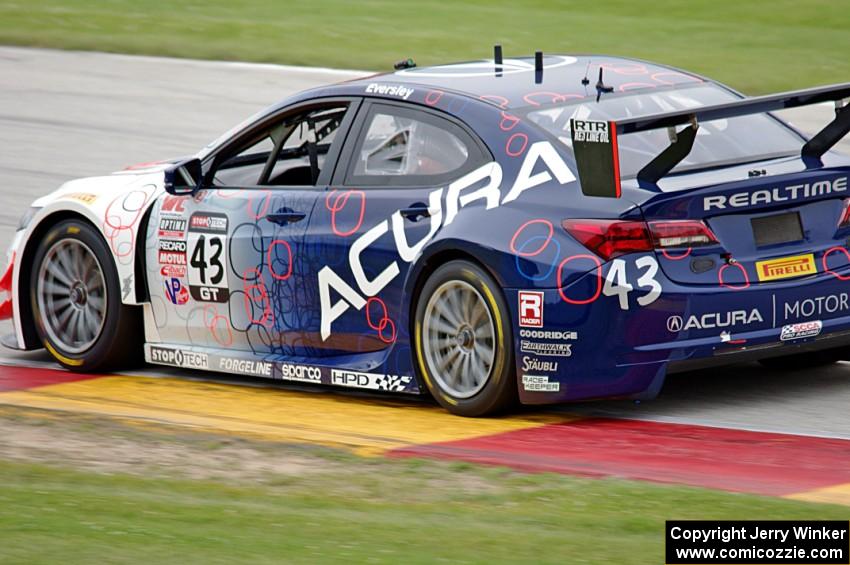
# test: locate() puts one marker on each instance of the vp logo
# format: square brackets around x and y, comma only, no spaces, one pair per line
[674,324]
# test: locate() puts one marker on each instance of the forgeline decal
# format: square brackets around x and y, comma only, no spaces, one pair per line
[402,92]
[537,365]
[801,330]
[714,320]
[530,309]
[773,195]
[786,267]
[369,380]
[483,184]
[208,256]
[188,359]
[539,383]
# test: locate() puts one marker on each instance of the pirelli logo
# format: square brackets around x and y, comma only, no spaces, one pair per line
[786,267]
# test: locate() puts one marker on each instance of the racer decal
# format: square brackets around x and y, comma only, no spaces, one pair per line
[208,257]
[530,309]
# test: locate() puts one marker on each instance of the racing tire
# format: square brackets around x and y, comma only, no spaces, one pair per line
[801,361]
[76,301]
[462,341]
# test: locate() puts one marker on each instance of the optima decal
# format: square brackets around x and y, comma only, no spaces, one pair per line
[483,184]
[773,195]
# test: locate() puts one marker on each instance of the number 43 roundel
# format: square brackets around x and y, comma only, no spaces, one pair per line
[208,257]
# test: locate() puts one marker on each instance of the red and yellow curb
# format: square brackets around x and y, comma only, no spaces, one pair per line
[798,467]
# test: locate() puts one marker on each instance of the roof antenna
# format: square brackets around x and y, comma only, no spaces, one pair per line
[497,58]
[538,67]
[600,86]
[585,81]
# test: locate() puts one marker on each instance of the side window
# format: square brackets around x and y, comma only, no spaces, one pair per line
[288,152]
[401,146]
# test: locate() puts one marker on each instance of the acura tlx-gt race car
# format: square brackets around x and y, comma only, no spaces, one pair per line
[543,229]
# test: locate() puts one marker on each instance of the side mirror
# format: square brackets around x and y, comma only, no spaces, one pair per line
[184,177]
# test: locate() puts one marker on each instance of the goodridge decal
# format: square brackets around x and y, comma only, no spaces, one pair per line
[483,184]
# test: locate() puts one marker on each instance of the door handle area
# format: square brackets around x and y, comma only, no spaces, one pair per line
[415,211]
[285,216]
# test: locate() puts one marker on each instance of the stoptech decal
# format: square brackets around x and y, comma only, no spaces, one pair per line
[481,185]
[773,195]
[801,330]
[208,222]
[208,257]
[714,320]
[172,227]
[179,358]
[369,380]
[530,309]
[786,267]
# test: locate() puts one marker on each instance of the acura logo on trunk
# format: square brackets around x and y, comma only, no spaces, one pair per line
[674,324]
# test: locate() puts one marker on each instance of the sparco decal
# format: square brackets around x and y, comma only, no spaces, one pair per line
[801,330]
[301,373]
[369,380]
[546,349]
[539,383]
[481,185]
[714,320]
[179,358]
[546,334]
[531,364]
[773,195]
[817,306]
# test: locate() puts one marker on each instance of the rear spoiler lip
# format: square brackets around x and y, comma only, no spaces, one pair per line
[597,155]
[753,105]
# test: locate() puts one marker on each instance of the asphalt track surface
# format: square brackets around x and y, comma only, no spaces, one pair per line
[66,115]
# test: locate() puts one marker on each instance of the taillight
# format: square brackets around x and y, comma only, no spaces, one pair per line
[681,233]
[611,238]
[845,214]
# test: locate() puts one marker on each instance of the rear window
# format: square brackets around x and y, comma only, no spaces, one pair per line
[718,142]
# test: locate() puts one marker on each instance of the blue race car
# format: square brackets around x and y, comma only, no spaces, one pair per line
[547,229]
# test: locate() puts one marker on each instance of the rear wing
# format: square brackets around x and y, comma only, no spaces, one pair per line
[597,156]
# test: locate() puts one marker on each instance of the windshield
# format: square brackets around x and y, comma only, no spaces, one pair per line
[741,139]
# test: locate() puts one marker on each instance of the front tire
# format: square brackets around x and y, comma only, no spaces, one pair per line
[463,341]
[76,301]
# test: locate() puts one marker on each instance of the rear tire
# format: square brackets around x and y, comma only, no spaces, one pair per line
[76,301]
[463,341]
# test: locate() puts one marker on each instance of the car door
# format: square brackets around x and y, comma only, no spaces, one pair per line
[384,205]
[232,266]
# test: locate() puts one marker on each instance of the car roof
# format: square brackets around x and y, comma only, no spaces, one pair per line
[518,84]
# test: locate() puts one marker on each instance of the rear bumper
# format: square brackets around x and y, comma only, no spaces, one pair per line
[600,349]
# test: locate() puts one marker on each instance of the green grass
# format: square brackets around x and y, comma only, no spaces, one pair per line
[754,45]
[56,515]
